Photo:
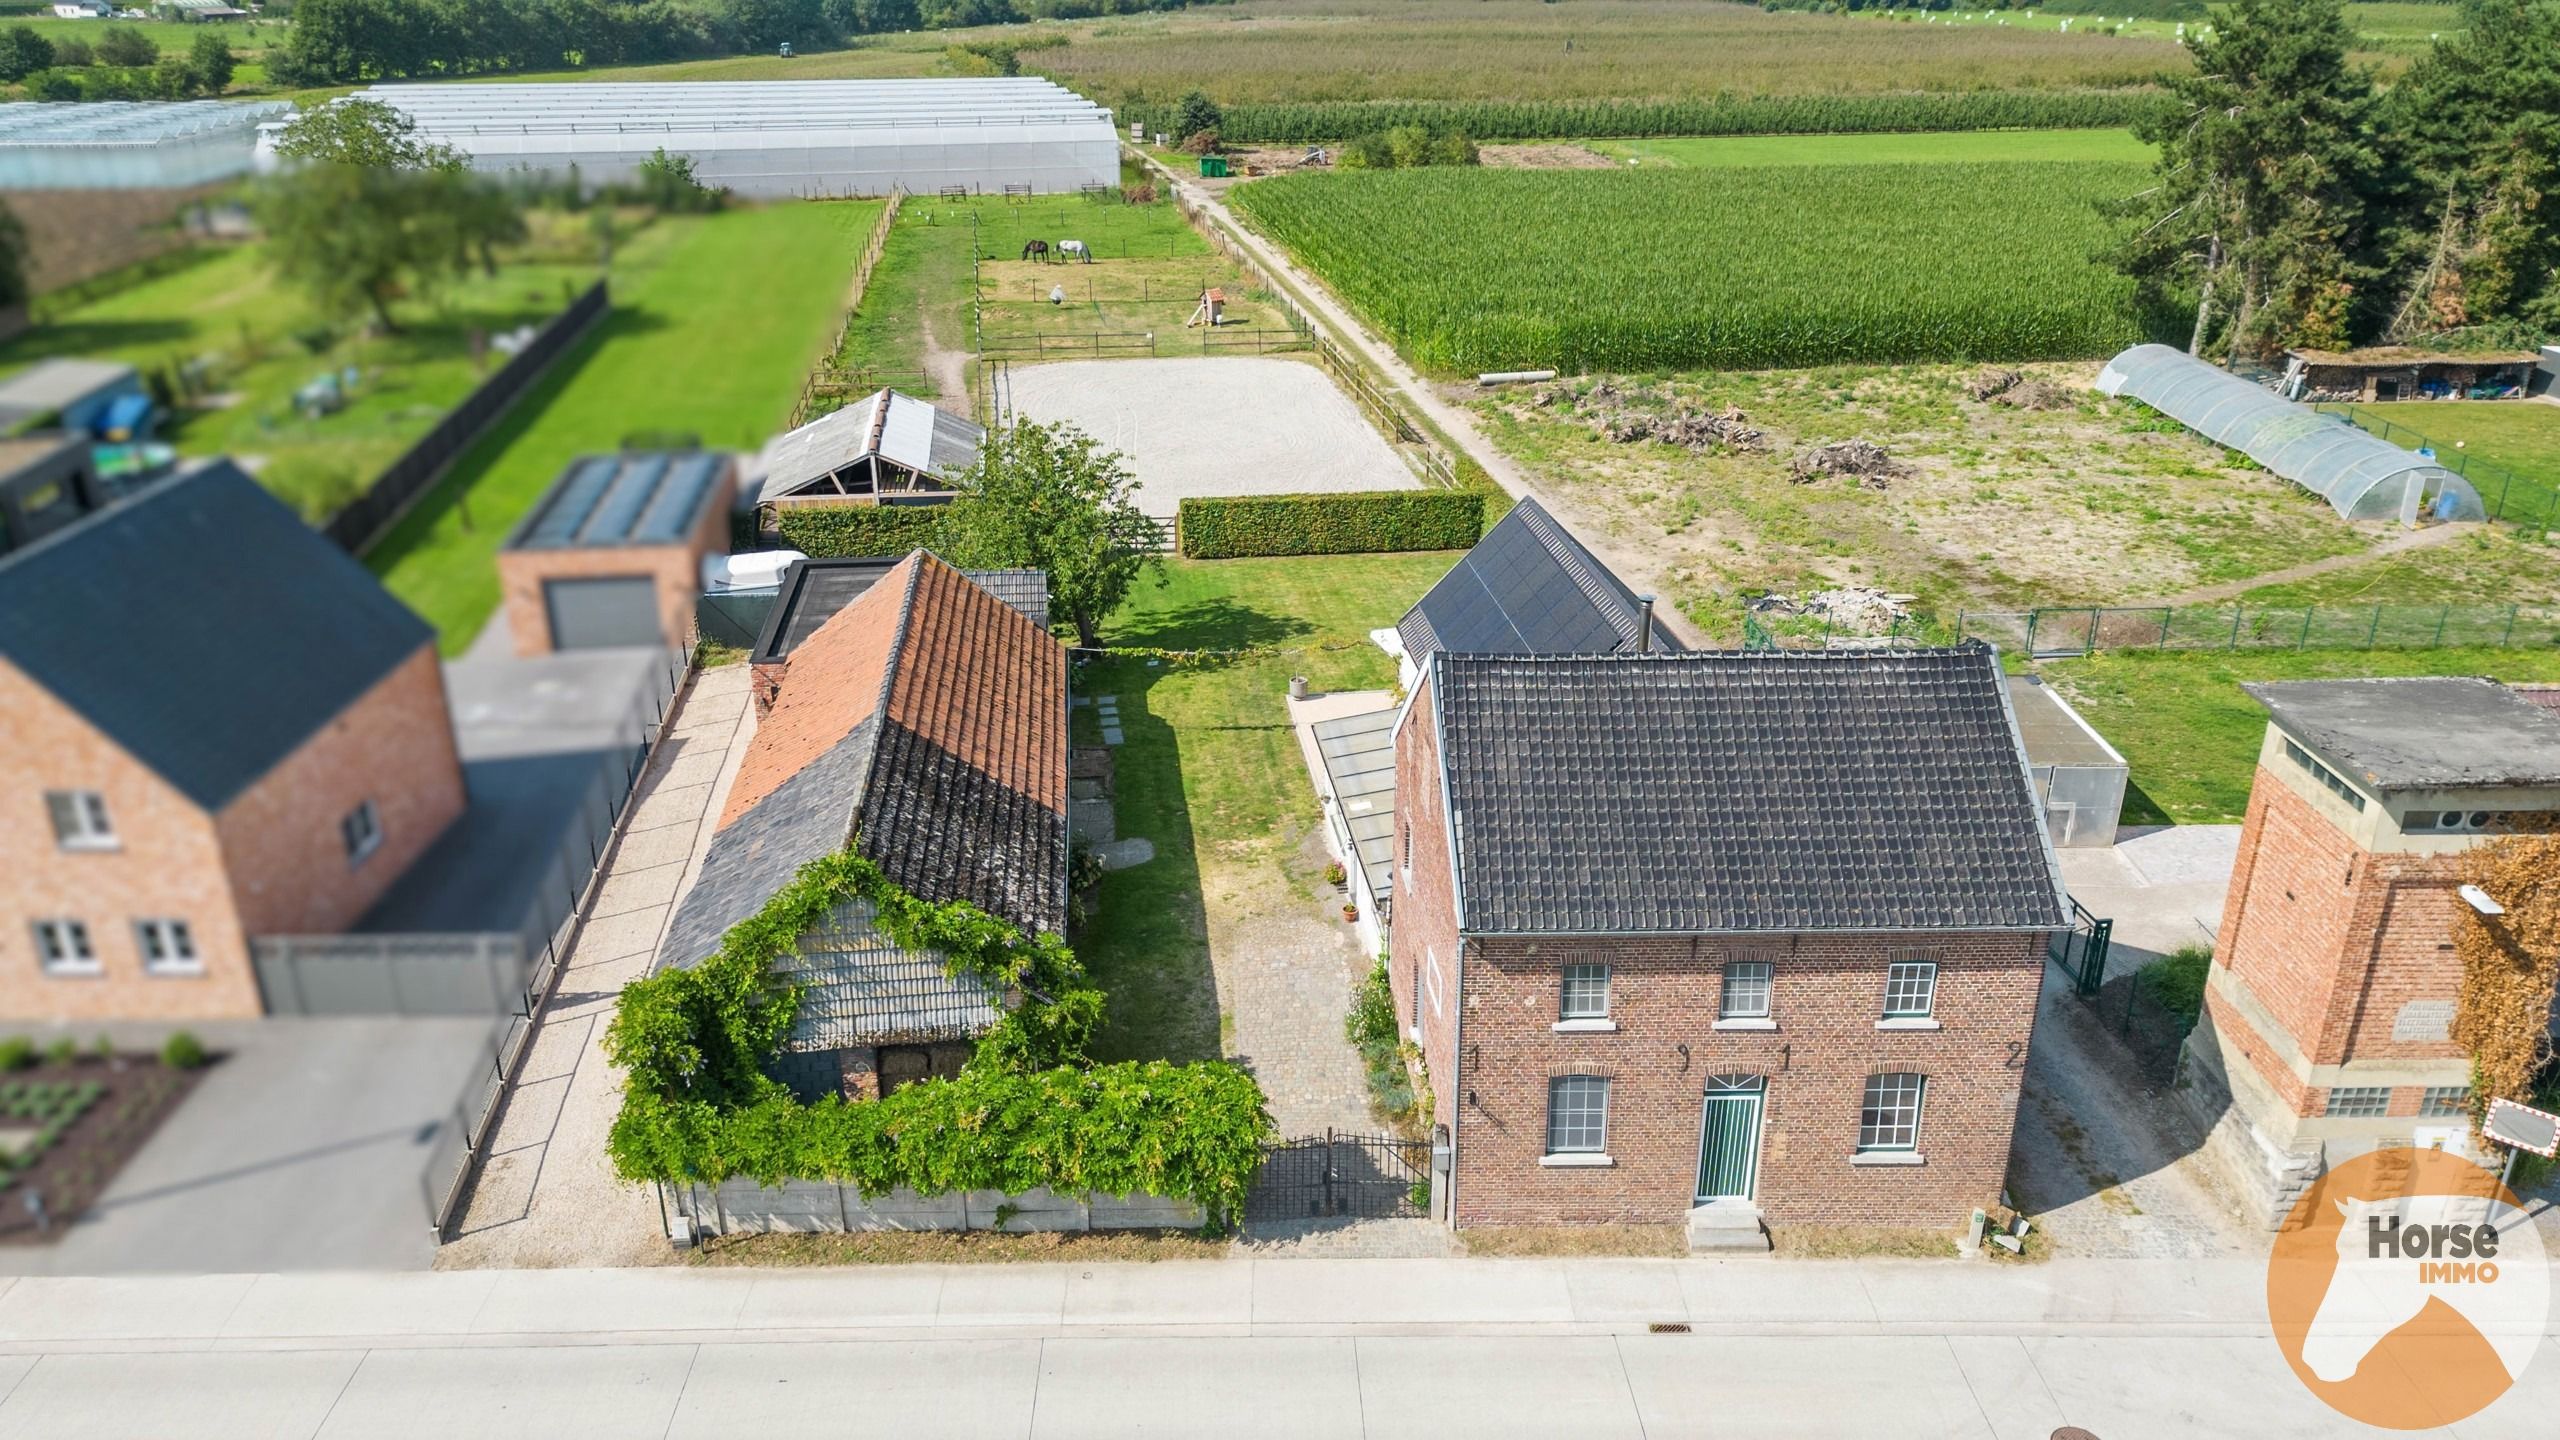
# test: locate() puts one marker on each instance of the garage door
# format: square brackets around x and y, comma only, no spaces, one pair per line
[592,613]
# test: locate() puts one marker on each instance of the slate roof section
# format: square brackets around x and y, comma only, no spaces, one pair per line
[203,627]
[1527,588]
[813,590]
[639,498]
[2422,732]
[1741,792]
[925,724]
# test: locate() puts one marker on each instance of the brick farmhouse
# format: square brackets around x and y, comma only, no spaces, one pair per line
[220,727]
[1732,938]
[925,726]
[2328,1009]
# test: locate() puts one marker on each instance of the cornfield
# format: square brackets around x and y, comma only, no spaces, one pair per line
[1277,122]
[1473,270]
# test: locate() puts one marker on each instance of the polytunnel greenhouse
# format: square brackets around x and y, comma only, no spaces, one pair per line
[2364,476]
[128,145]
[781,137]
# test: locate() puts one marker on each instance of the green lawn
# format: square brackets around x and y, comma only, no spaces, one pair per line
[262,340]
[1924,149]
[712,333]
[2490,565]
[1211,771]
[2518,435]
[2191,733]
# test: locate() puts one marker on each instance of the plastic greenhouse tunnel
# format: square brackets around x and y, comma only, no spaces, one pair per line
[2364,476]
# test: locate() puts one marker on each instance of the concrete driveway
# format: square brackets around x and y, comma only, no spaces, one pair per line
[300,1150]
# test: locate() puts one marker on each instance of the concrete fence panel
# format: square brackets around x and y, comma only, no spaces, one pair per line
[743,1207]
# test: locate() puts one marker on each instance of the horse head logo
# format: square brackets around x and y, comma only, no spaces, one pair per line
[2366,1257]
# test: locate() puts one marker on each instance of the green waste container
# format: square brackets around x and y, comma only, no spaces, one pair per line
[1213,167]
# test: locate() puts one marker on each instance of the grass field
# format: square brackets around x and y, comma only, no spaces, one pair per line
[1958,147]
[2492,565]
[1471,270]
[250,39]
[1211,771]
[2191,733]
[711,333]
[226,307]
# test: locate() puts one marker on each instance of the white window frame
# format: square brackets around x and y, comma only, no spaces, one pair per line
[64,947]
[1907,975]
[91,828]
[1765,980]
[360,841]
[1597,1116]
[1566,979]
[1887,1095]
[168,948]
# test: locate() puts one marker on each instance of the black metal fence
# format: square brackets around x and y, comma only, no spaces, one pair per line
[550,929]
[2081,951]
[364,520]
[1339,1174]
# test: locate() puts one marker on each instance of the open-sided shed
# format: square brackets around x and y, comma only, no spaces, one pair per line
[885,448]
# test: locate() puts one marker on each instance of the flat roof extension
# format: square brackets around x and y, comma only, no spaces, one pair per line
[2437,732]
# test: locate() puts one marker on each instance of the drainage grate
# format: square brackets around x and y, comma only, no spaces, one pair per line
[1668,1327]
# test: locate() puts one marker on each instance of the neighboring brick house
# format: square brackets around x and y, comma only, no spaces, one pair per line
[1527,588]
[611,555]
[2329,1006]
[814,590]
[925,726]
[1730,937]
[220,727]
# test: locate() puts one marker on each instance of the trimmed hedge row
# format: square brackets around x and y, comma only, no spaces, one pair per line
[1295,121]
[829,532]
[1353,523]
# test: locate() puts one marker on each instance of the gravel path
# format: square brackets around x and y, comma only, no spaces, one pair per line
[1285,972]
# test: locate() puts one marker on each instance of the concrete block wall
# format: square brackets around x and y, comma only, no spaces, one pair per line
[813,1206]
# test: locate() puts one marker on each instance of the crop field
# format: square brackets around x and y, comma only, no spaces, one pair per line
[1471,270]
[1936,148]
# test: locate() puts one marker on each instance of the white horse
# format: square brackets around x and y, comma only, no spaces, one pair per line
[2372,1295]
[1074,250]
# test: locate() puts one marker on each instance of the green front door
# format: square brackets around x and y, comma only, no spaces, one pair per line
[1729,1138]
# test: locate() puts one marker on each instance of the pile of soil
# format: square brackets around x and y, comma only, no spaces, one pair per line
[2008,387]
[1858,609]
[1863,459]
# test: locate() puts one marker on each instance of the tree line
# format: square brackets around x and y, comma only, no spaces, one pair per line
[122,64]
[342,41]
[2299,203]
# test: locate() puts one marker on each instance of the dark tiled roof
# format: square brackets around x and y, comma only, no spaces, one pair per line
[203,627]
[814,590]
[642,498]
[1740,791]
[2421,732]
[925,725]
[1527,588]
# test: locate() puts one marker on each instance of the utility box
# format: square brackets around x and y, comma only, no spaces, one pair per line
[1213,167]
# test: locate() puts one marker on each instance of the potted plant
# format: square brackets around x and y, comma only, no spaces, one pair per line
[1336,876]
[1350,913]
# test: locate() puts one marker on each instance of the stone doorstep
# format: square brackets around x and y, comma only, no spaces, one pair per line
[1727,1227]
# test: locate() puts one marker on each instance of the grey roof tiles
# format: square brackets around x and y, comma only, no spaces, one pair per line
[1754,791]
[1527,588]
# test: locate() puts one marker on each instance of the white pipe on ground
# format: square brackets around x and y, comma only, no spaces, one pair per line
[1514,377]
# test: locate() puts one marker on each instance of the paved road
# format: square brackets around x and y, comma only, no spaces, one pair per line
[1298,1348]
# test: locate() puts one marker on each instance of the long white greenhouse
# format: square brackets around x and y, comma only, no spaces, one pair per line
[128,145]
[781,137]
[2364,476]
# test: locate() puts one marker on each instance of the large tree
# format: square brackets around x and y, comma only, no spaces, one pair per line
[356,238]
[2266,165]
[23,52]
[1049,497]
[366,134]
[13,260]
[2478,121]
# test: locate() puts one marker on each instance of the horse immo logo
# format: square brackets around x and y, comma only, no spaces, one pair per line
[2408,1289]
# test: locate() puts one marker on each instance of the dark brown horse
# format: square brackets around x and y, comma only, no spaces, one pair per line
[1036,250]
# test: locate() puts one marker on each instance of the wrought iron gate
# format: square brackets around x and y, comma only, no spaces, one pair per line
[1341,1174]
[2081,951]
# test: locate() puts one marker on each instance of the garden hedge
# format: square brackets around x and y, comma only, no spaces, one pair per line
[830,532]
[1353,523]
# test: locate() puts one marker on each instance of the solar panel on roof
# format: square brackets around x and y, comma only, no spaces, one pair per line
[670,514]
[572,502]
[620,505]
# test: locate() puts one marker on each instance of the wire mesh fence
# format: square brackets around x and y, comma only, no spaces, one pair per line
[2078,630]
